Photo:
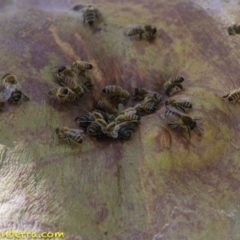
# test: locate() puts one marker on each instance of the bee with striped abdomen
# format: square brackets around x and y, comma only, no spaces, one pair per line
[97,128]
[233,95]
[17,96]
[173,85]
[180,103]
[117,93]
[177,119]
[90,15]
[70,135]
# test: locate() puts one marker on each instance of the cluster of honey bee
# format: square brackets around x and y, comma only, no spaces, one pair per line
[106,120]
[73,82]
[10,91]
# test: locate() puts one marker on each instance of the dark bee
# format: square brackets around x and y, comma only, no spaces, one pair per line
[234,29]
[90,15]
[97,128]
[144,108]
[233,95]
[179,119]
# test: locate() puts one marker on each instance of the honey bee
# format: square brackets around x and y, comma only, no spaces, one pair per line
[67,78]
[233,95]
[117,92]
[70,135]
[63,94]
[177,119]
[17,96]
[234,29]
[79,67]
[145,107]
[128,112]
[90,15]
[106,106]
[88,118]
[180,103]
[173,85]
[127,118]
[147,31]
[97,128]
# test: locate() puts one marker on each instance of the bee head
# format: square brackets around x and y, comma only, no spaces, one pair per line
[61,69]
[64,91]
[193,124]
[230,99]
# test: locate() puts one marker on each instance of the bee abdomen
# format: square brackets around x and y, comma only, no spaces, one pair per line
[77,139]
[135,31]
[177,79]
[90,18]
[124,132]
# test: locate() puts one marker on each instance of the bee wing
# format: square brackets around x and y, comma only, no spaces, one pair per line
[171,117]
[185,99]
[74,132]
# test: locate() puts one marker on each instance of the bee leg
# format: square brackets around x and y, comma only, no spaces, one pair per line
[173,124]
[140,35]
[189,133]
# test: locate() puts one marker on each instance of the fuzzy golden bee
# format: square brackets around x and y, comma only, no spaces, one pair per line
[234,29]
[67,78]
[69,135]
[80,66]
[233,96]
[146,31]
[117,93]
[90,15]
[177,119]
[63,94]
[127,118]
[180,103]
